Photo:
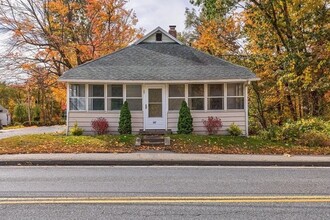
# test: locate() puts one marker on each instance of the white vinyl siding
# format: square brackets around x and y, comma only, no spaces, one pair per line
[84,121]
[227,118]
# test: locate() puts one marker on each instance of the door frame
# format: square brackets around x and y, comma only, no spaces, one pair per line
[145,103]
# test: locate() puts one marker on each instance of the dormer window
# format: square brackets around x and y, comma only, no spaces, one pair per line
[159,36]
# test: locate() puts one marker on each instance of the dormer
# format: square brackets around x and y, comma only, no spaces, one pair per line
[159,35]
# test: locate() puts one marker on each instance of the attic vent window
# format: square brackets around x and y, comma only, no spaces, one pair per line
[159,36]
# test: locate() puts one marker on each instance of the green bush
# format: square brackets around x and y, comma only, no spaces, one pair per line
[125,123]
[314,139]
[76,130]
[293,130]
[20,113]
[273,133]
[234,130]
[185,123]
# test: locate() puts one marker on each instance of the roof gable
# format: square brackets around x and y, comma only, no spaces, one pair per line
[151,37]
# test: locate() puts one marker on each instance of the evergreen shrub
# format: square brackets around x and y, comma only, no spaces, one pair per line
[125,123]
[185,123]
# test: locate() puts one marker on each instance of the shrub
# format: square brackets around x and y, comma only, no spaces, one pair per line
[100,126]
[212,124]
[20,113]
[185,123]
[293,130]
[234,130]
[75,130]
[273,133]
[314,139]
[125,123]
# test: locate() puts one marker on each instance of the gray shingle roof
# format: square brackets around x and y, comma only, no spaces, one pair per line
[157,62]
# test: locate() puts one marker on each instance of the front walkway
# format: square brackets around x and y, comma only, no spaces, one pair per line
[31,130]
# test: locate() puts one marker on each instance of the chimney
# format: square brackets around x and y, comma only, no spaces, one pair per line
[172,30]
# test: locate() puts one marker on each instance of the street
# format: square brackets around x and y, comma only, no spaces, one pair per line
[164,193]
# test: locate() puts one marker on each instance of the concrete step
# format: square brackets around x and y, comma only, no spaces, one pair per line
[155,131]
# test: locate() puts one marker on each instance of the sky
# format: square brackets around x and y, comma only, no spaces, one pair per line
[154,13]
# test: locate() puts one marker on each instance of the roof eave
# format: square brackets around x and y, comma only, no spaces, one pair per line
[155,81]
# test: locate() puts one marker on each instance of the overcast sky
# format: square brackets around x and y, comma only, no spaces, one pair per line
[154,13]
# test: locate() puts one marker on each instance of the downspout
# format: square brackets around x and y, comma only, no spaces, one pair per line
[246,105]
[67,108]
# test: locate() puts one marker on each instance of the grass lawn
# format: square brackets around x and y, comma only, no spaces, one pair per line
[59,143]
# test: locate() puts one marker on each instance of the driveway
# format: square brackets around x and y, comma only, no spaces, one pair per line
[31,130]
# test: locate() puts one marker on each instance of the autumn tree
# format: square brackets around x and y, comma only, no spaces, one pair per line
[61,34]
[48,37]
[286,43]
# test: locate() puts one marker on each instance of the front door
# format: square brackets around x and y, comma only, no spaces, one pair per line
[154,107]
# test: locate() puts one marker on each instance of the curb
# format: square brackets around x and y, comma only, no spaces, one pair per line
[160,163]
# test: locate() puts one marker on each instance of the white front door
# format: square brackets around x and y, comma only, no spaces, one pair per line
[154,107]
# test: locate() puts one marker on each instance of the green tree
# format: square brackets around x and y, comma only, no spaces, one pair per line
[125,123]
[20,113]
[185,123]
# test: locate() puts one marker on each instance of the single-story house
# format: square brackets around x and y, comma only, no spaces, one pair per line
[4,116]
[154,75]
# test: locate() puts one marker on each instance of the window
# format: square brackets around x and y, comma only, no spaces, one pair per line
[196,96]
[96,97]
[134,97]
[235,96]
[77,99]
[215,97]
[115,97]
[176,96]
[159,36]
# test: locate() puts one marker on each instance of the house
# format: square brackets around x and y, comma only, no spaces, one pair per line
[4,116]
[154,75]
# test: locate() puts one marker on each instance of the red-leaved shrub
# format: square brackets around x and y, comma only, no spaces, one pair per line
[212,124]
[100,126]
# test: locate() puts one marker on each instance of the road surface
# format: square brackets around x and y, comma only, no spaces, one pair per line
[164,193]
[31,130]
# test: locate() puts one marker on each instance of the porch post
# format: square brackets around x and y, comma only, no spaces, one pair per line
[246,107]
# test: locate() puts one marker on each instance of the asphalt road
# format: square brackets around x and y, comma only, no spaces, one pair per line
[164,193]
[31,130]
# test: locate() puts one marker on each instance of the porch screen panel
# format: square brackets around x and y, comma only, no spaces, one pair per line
[176,96]
[77,97]
[196,96]
[96,98]
[235,96]
[215,97]
[115,97]
[134,97]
